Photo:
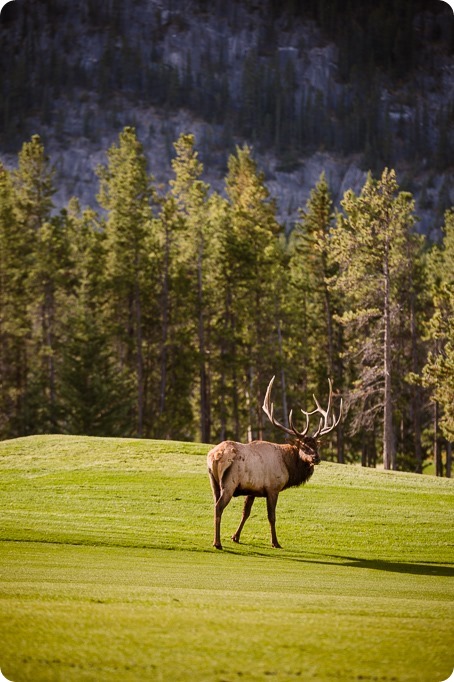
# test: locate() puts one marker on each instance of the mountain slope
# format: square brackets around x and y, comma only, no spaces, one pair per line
[313,86]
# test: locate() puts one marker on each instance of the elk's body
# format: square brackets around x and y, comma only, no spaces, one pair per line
[263,469]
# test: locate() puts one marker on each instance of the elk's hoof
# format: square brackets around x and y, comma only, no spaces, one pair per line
[276,545]
[235,538]
[217,545]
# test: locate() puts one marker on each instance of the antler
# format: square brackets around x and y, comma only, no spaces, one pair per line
[268,408]
[324,426]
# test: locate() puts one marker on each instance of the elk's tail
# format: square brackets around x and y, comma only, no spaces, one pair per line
[220,460]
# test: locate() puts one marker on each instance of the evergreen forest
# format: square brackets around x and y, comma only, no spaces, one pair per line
[163,312]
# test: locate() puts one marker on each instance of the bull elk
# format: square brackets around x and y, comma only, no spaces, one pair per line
[263,469]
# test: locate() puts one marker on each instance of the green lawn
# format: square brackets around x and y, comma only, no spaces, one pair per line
[107,571]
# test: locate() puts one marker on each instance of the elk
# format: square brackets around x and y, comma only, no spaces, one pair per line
[263,469]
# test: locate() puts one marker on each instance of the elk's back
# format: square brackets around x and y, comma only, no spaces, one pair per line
[251,468]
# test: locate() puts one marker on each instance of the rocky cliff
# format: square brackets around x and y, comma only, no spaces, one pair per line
[270,73]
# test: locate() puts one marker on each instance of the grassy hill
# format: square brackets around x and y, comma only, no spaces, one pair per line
[107,571]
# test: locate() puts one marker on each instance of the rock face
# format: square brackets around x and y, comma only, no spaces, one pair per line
[230,72]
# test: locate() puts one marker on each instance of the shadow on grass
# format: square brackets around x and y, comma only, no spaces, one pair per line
[412,568]
[400,567]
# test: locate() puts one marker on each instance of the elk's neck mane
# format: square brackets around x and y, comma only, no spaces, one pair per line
[300,466]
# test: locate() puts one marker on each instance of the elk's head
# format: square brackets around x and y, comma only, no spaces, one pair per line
[307,443]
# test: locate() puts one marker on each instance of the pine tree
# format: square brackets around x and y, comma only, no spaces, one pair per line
[43,249]
[126,194]
[190,194]
[438,373]
[34,184]
[253,255]
[95,394]
[178,356]
[370,245]
[223,364]
[310,269]
[15,325]
[49,280]
[411,352]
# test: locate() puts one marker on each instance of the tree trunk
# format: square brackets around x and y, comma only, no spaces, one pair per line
[389,452]
[373,452]
[233,352]
[205,419]
[340,444]
[364,458]
[47,319]
[340,378]
[329,329]
[222,392]
[250,436]
[236,407]
[340,441]
[283,384]
[416,393]
[259,411]
[438,464]
[165,323]
[139,353]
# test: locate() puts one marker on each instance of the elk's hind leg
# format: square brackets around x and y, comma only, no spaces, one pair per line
[248,502]
[271,501]
[214,487]
[218,509]
[223,486]
[220,504]
[222,496]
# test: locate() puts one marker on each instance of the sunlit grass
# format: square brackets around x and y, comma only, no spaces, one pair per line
[107,570]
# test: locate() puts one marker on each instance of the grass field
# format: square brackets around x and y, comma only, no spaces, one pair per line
[107,571]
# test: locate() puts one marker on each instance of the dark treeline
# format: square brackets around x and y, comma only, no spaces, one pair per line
[165,314]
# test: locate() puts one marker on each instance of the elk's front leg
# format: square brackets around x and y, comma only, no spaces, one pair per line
[248,502]
[271,501]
